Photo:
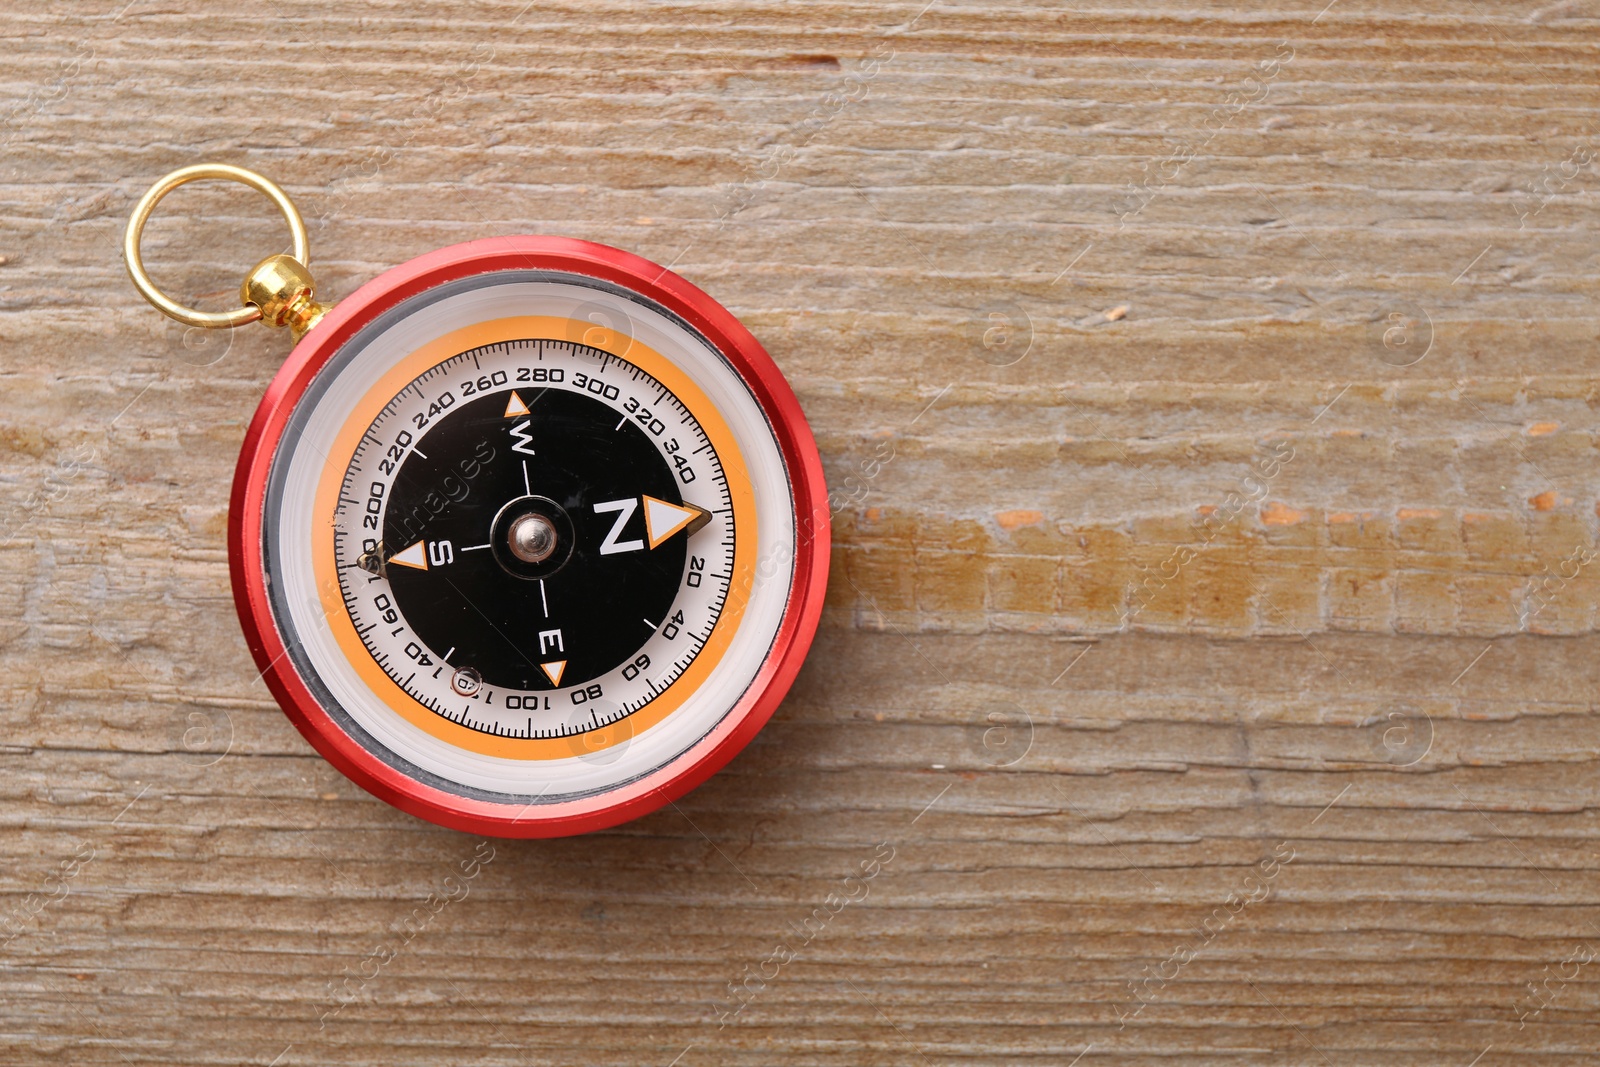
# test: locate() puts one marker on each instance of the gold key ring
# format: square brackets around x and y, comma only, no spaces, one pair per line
[250,311]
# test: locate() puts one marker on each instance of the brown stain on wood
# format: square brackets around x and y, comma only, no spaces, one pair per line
[1428,567]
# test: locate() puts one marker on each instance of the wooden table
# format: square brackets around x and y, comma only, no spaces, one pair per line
[1210,664]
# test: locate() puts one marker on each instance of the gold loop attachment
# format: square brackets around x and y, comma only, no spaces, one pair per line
[249,312]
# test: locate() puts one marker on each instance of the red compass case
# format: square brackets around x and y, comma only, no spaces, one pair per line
[528,536]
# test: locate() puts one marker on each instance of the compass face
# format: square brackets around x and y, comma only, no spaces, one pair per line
[530,541]
[553,520]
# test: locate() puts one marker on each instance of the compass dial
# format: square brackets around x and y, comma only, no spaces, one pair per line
[530,541]
[556,538]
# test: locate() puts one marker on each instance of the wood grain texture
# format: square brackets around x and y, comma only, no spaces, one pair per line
[1206,598]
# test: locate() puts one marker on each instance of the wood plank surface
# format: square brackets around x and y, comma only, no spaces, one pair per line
[1209,673]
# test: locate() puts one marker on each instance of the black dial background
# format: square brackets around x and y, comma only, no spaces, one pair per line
[492,619]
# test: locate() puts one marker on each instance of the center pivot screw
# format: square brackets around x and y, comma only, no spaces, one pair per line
[532,538]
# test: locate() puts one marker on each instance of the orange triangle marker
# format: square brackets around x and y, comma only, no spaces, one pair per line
[515,406]
[415,556]
[553,669]
[662,520]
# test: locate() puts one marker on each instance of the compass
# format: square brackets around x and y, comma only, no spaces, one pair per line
[528,536]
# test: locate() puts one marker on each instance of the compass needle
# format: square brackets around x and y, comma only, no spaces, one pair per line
[415,556]
[662,519]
